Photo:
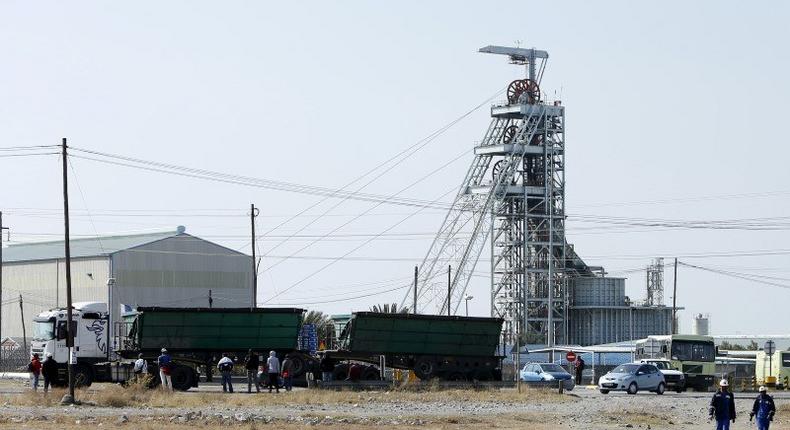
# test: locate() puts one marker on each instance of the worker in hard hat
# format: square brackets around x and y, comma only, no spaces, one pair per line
[722,406]
[764,409]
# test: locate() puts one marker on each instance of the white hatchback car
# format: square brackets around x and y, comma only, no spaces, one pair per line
[633,377]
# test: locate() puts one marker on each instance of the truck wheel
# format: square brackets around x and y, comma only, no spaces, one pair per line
[181,377]
[340,373]
[425,368]
[83,376]
[297,365]
[371,373]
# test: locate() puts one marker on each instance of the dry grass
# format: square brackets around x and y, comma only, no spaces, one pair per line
[139,396]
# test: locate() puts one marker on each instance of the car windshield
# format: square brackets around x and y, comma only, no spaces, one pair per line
[43,330]
[551,368]
[626,368]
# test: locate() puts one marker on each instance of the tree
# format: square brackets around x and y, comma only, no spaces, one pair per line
[324,326]
[388,308]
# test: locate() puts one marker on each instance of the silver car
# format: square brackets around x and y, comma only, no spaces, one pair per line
[632,378]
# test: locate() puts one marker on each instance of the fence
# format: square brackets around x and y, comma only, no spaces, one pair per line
[13,360]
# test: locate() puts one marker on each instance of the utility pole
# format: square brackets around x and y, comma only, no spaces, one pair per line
[449,287]
[69,397]
[22,314]
[675,299]
[210,300]
[1,272]
[414,306]
[253,214]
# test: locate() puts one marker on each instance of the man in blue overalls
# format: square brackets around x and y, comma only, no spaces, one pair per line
[764,409]
[722,406]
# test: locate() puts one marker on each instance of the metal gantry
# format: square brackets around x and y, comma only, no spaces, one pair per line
[514,192]
[655,283]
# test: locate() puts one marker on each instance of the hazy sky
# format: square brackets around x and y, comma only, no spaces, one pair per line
[674,111]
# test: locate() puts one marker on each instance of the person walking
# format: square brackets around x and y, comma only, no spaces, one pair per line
[140,368]
[34,367]
[49,370]
[273,363]
[722,406]
[579,366]
[251,363]
[764,409]
[165,364]
[287,369]
[225,366]
[327,366]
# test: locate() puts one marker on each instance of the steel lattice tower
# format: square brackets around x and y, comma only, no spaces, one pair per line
[514,192]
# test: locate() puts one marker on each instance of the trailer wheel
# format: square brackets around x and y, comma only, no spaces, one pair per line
[83,376]
[340,373]
[371,373]
[297,365]
[425,368]
[181,377]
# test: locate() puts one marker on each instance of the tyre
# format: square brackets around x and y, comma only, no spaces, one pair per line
[340,373]
[371,373]
[679,390]
[83,376]
[297,365]
[660,389]
[182,378]
[632,389]
[425,368]
[604,391]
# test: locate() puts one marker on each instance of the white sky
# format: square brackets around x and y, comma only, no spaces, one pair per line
[669,100]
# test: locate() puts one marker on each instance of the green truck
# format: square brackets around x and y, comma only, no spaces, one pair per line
[433,346]
[195,337]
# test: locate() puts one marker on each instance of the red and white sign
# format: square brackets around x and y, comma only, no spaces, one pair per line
[570,356]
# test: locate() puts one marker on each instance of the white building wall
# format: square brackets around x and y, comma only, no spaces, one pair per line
[43,286]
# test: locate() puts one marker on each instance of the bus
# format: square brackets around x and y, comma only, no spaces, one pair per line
[693,355]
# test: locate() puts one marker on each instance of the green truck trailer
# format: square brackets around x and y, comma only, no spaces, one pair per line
[196,337]
[433,346]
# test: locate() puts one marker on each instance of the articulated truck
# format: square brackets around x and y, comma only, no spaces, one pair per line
[194,337]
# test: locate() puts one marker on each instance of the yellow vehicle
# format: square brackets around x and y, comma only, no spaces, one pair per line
[693,355]
[772,370]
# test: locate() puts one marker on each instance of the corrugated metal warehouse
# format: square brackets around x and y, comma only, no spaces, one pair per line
[171,269]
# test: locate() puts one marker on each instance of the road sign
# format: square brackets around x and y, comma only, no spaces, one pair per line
[570,356]
[769,347]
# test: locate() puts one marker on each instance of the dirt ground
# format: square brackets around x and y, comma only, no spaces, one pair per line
[111,407]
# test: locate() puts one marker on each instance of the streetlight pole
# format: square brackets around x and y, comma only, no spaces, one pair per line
[1,271]
[466,299]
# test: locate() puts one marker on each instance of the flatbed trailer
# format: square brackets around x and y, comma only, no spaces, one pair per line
[433,346]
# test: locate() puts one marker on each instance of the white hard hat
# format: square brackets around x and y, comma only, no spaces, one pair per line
[164,349]
[49,354]
[724,383]
[762,389]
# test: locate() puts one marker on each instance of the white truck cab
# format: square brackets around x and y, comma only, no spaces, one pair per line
[90,324]
[674,379]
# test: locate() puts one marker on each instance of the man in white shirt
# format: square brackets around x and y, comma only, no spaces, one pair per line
[274,371]
[140,367]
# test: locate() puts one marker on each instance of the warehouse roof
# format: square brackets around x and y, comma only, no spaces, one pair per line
[83,247]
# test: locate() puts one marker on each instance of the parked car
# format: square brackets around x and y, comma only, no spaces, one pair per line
[542,372]
[674,378]
[633,377]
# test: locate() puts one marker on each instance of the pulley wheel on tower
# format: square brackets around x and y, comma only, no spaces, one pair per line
[497,170]
[528,87]
[509,134]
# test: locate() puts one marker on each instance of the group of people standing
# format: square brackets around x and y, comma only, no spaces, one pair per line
[48,369]
[259,373]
